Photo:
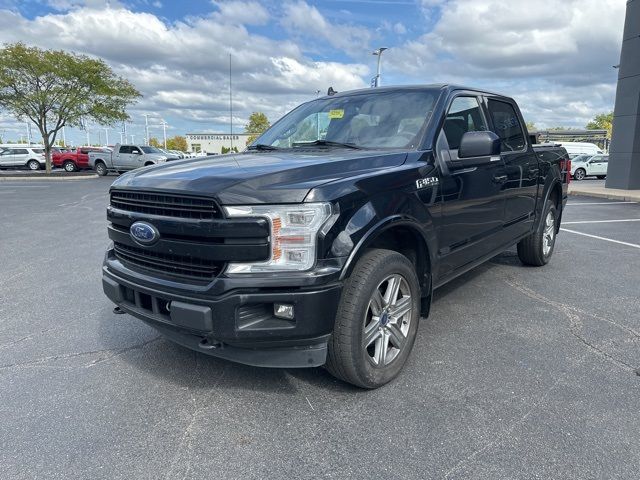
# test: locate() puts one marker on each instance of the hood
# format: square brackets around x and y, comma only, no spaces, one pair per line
[259,177]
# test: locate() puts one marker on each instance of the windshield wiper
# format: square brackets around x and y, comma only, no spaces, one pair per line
[262,146]
[326,143]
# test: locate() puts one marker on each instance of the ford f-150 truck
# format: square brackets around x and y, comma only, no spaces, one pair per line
[322,243]
[125,157]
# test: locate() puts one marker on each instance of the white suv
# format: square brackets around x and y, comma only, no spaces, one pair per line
[32,158]
[590,165]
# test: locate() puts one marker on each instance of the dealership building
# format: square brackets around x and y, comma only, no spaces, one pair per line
[213,142]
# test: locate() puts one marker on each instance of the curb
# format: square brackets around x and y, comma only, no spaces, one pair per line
[43,178]
[633,197]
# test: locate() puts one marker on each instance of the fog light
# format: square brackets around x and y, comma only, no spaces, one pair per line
[283,310]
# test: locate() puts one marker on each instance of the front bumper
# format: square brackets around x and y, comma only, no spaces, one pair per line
[238,325]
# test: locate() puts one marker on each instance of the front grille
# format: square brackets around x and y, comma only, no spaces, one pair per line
[174,265]
[166,205]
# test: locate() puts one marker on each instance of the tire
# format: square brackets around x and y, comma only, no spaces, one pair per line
[579,174]
[100,168]
[538,247]
[33,165]
[391,337]
[601,177]
[69,166]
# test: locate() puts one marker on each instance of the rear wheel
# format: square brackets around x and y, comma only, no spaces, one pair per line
[69,166]
[537,248]
[33,165]
[377,320]
[101,168]
[579,174]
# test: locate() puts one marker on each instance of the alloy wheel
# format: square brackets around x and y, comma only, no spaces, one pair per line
[387,320]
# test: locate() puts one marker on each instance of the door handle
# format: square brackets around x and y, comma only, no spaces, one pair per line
[500,179]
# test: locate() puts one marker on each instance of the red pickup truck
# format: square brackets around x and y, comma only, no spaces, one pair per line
[74,160]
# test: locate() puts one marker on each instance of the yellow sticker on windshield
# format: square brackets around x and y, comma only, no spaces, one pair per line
[336,113]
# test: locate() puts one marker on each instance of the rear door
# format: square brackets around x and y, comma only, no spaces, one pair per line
[520,188]
[122,158]
[20,156]
[597,165]
[472,200]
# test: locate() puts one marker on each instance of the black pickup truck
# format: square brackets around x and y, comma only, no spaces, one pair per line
[323,242]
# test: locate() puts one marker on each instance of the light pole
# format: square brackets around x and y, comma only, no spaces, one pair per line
[106,136]
[164,133]
[378,53]
[146,128]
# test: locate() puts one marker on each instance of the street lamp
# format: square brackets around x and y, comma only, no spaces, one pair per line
[378,53]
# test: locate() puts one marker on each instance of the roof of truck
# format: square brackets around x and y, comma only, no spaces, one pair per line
[432,86]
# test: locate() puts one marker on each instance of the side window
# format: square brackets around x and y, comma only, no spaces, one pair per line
[464,116]
[596,159]
[20,151]
[605,159]
[507,126]
[6,152]
[125,149]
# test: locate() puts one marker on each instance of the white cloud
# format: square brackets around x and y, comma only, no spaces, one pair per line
[246,13]
[305,20]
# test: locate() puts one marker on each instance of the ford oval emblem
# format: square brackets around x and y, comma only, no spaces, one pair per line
[144,233]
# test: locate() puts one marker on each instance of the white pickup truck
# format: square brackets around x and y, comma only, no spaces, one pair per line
[125,157]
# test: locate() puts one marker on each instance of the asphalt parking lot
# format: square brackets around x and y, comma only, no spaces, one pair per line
[518,373]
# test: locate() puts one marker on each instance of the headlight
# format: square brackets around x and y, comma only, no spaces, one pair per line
[161,160]
[294,235]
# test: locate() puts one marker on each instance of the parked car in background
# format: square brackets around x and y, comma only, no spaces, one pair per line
[178,153]
[125,157]
[575,149]
[170,155]
[595,165]
[29,157]
[74,160]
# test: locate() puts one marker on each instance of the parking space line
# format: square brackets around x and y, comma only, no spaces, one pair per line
[597,203]
[601,238]
[603,221]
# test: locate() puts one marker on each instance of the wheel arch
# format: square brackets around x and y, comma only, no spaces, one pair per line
[401,234]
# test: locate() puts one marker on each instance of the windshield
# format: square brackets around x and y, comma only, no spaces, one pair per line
[388,119]
[150,150]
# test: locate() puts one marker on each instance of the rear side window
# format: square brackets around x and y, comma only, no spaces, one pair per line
[464,116]
[38,150]
[506,126]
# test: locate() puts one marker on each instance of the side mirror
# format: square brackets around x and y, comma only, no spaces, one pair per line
[479,144]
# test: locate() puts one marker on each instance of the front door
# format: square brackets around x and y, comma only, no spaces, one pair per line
[124,159]
[472,200]
[521,163]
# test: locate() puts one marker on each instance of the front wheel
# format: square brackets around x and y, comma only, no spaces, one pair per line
[33,165]
[377,320]
[537,248]
[69,166]
[579,174]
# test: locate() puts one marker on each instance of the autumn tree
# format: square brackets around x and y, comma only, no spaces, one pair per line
[258,124]
[54,89]
[177,143]
[602,121]
[154,142]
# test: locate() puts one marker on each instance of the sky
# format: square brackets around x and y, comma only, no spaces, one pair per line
[554,57]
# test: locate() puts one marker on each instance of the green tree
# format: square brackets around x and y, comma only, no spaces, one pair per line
[602,121]
[177,143]
[258,123]
[154,142]
[531,127]
[224,150]
[54,89]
